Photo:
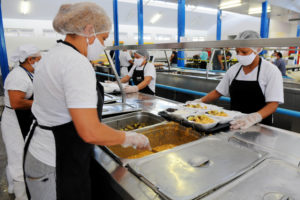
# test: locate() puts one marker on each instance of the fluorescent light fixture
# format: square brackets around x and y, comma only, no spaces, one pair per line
[230,4]
[155,18]
[257,10]
[25,7]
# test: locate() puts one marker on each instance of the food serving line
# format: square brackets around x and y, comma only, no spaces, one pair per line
[223,165]
[192,159]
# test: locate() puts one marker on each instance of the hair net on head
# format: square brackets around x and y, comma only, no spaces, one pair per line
[23,52]
[249,35]
[143,52]
[73,18]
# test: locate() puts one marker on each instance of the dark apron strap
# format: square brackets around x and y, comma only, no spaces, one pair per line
[27,143]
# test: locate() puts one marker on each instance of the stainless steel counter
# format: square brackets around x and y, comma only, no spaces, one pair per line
[276,143]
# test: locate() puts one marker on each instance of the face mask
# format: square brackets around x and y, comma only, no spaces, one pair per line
[138,61]
[246,60]
[95,50]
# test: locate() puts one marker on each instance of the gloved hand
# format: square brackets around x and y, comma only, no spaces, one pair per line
[246,121]
[194,101]
[136,140]
[131,89]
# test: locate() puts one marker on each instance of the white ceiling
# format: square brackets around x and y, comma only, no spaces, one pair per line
[47,9]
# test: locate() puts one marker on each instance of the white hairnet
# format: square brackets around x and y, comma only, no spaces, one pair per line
[73,19]
[143,52]
[23,52]
[249,35]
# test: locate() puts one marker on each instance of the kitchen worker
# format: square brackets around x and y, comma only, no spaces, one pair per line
[279,62]
[142,73]
[126,62]
[173,59]
[67,107]
[254,85]
[17,116]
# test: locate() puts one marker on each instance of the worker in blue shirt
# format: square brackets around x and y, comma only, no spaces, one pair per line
[279,62]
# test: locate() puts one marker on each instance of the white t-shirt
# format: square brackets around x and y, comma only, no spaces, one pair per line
[124,58]
[65,79]
[148,71]
[270,80]
[19,80]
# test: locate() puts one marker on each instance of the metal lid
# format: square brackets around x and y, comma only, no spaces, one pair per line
[176,175]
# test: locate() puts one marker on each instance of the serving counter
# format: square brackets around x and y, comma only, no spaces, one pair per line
[213,166]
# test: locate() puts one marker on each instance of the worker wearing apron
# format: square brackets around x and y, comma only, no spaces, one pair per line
[126,62]
[17,116]
[254,85]
[67,109]
[142,73]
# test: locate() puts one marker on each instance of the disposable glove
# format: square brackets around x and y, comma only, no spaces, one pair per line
[246,121]
[194,101]
[136,140]
[131,89]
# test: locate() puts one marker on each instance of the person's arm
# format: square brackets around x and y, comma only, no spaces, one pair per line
[172,56]
[91,130]
[145,82]
[125,79]
[220,57]
[213,95]
[18,101]
[268,109]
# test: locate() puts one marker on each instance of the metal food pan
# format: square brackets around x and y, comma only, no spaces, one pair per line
[121,121]
[167,133]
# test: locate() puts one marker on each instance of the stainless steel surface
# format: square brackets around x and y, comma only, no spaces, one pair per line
[274,42]
[119,122]
[130,183]
[116,75]
[271,180]
[280,143]
[108,98]
[172,173]
[162,134]
[169,65]
[118,108]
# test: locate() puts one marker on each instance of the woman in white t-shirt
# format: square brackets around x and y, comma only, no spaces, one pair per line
[142,73]
[17,116]
[67,106]
[254,85]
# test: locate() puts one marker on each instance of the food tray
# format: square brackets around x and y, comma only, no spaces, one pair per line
[161,134]
[195,126]
[121,121]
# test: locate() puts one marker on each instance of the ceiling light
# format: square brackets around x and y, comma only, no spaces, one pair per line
[230,4]
[155,18]
[25,7]
[257,10]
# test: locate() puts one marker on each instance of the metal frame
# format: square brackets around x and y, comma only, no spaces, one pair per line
[116,75]
[219,25]
[180,30]
[116,34]
[140,22]
[264,24]
[3,54]
[274,42]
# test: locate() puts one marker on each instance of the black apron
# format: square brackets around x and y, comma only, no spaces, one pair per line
[73,156]
[247,96]
[24,116]
[138,77]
